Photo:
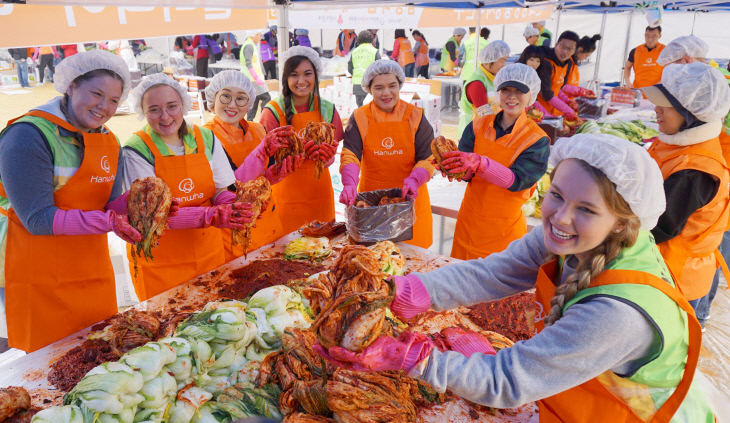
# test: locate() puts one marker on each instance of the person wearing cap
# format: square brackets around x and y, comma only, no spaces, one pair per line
[388,145]
[690,104]
[60,193]
[302,197]
[345,42]
[363,55]
[467,54]
[545,36]
[480,97]
[269,52]
[193,164]
[644,60]
[449,53]
[251,67]
[503,155]
[584,50]
[249,151]
[531,35]
[554,76]
[302,38]
[607,311]
[403,52]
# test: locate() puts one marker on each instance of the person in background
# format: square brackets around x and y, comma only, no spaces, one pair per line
[403,52]
[302,38]
[690,104]
[545,36]
[450,52]
[269,52]
[586,47]
[47,54]
[193,164]
[531,35]
[684,50]
[20,57]
[69,50]
[409,168]
[183,44]
[251,67]
[376,41]
[554,75]
[643,60]
[481,97]
[420,49]
[467,54]
[202,56]
[345,42]
[534,57]
[301,197]
[362,57]
[230,40]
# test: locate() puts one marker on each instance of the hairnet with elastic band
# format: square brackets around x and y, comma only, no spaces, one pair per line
[531,31]
[459,31]
[301,32]
[230,79]
[688,45]
[381,67]
[307,52]
[135,97]
[74,66]
[699,88]
[494,51]
[629,166]
[521,73]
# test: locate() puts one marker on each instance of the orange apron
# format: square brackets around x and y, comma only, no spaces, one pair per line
[182,253]
[422,56]
[693,256]
[725,145]
[349,38]
[491,217]
[57,285]
[557,80]
[647,71]
[596,404]
[268,225]
[405,54]
[389,157]
[574,75]
[300,197]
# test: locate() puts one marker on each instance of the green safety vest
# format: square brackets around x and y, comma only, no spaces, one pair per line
[326,108]
[542,39]
[726,122]
[445,58]
[362,57]
[255,61]
[468,112]
[467,68]
[137,144]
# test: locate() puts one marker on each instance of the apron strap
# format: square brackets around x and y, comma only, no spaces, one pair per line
[49,117]
[199,143]
[282,116]
[723,265]
[4,212]
[150,144]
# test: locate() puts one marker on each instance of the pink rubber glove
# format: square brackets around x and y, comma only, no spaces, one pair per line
[227,216]
[460,161]
[256,78]
[542,110]
[36,52]
[311,150]
[275,140]
[95,222]
[224,197]
[386,353]
[561,106]
[350,178]
[418,177]
[467,343]
[411,296]
[327,152]
[571,90]
[118,206]
[486,168]
[276,174]
[255,163]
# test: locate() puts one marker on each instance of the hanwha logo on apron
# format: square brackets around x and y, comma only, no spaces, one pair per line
[186,185]
[648,60]
[105,164]
[539,313]
[388,143]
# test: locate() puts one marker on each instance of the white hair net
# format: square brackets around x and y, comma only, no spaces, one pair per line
[135,97]
[700,88]
[530,31]
[459,31]
[307,52]
[629,166]
[231,79]
[381,67]
[541,22]
[253,32]
[521,73]
[494,51]
[80,64]
[301,32]
[689,45]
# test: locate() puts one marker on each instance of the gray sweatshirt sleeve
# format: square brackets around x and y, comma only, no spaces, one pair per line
[495,277]
[248,54]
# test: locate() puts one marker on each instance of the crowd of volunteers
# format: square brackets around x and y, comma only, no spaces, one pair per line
[625,263]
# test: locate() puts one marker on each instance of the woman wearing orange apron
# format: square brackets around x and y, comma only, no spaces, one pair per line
[420,49]
[60,193]
[586,47]
[690,103]
[193,164]
[503,155]
[615,341]
[246,144]
[554,75]
[403,52]
[301,197]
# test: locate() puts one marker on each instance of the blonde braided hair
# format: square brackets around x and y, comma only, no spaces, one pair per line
[604,253]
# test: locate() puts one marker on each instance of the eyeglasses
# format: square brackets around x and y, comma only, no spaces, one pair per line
[565,48]
[226,99]
[156,112]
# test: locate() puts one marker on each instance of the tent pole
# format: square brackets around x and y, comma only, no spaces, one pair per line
[626,47]
[503,31]
[600,45]
[321,40]
[282,33]
[476,42]
[168,50]
[557,27]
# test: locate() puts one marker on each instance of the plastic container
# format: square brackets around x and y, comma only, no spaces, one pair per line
[553,127]
[591,108]
[392,222]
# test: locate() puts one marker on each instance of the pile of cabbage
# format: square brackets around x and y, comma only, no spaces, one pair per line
[203,374]
[533,206]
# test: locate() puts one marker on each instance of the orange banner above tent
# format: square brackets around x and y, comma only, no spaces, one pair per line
[27,25]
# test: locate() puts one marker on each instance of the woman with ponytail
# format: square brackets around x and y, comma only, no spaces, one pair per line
[586,47]
[615,340]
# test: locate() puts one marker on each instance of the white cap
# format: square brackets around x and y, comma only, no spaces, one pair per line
[135,97]
[381,67]
[494,51]
[629,166]
[524,77]
[699,88]
[231,79]
[530,31]
[253,32]
[307,52]
[301,32]
[74,66]
[540,22]
[459,31]
[689,45]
